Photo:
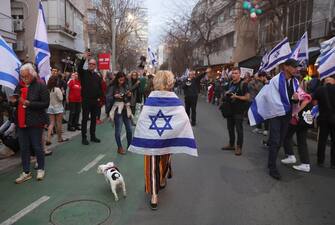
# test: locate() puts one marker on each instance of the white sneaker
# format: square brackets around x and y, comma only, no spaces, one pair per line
[40,174]
[265,133]
[289,160]
[256,130]
[23,177]
[303,167]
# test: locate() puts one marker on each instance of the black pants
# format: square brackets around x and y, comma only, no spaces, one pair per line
[89,107]
[191,105]
[75,108]
[326,129]
[278,130]
[235,122]
[301,141]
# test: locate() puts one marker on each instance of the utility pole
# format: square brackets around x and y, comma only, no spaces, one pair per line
[114,36]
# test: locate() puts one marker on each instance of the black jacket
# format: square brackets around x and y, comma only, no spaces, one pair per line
[191,88]
[91,88]
[39,98]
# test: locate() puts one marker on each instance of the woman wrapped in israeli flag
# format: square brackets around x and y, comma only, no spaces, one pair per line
[163,128]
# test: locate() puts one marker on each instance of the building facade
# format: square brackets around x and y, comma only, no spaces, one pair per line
[7,24]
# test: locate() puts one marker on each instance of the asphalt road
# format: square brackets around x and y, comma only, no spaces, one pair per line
[216,188]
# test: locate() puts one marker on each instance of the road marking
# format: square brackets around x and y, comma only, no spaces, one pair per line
[25,211]
[91,164]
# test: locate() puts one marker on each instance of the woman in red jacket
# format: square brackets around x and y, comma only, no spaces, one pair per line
[74,100]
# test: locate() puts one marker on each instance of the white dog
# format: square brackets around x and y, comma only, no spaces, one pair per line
[113,178]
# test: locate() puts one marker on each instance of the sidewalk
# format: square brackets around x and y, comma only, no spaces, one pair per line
[13,161]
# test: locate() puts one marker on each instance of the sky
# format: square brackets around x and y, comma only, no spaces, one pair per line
[159,13]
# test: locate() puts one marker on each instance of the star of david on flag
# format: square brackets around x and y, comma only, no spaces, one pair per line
[163,127]
[154,126]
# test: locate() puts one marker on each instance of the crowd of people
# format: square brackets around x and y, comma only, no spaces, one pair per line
[36,111]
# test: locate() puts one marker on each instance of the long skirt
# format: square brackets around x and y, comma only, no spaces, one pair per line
[156,170]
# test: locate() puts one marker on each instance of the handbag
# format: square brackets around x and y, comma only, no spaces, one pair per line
[331,117]
[226,109]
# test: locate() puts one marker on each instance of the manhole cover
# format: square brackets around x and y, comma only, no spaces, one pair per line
[83,212]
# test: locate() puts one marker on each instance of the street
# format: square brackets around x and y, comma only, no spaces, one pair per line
[217,188]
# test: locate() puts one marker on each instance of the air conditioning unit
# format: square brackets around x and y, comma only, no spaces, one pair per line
[18,46]
[18,25]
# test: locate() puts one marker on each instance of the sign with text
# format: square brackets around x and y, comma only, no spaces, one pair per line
[104,61]
[245,71]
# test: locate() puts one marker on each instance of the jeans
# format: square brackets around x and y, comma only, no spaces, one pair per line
[191,105]
[235,122]
[118,118]
[74,114]
[301,141]
[326,129]
[89,108]
[278,130]
[31,139]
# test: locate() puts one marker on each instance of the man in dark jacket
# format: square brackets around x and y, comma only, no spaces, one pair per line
[191,89]
[91,93]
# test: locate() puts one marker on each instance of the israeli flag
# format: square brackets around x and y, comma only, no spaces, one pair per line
[278,55]
[41,46]
[326,46]
[186,74]
[300,52]
[9,66]
[152,57]
[272,100]
[163,127]
[264,63]
[327,64]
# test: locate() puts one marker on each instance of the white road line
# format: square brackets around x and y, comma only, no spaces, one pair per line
[25,211]
[123,136]
[91,164]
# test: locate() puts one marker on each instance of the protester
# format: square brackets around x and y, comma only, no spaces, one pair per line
[155,142]
[55,110]
[238,98]
[121,111]
[191,90]
[74,99]
[143,84]
[91,93]
[101,103]
[32,100]
[300,127]
[324,98]
[134,85]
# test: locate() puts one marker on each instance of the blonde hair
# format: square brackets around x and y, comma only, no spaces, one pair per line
[163,80]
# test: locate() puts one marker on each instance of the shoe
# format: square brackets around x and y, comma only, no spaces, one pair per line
[47,143]
[23,177]
[71,129]
[238,150]
[256,130]
[95,139]
[275,174]
[85,142]
[40,174]
[153,205]
[98,122]
[78,128]
[289,160]
[121,151]
[228,147]
[303,167]
[265,133]
[47,152]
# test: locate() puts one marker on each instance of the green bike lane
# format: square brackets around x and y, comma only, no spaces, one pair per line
[66,185]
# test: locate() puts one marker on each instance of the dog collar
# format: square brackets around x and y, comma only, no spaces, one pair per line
[111,168]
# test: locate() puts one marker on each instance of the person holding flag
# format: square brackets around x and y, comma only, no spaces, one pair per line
[163,128]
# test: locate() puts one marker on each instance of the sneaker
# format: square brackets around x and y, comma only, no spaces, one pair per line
[265,133]
[289,160]
[23,177]
[40,174]
[256,130]
[303,167]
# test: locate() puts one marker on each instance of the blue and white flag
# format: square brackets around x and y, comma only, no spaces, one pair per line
[278,55]
[325,46]
[41,46]
[9,66]
[272,100]
[327,64]
[163,127]
[264,63]
[300,52]
[152,57]
[186,74]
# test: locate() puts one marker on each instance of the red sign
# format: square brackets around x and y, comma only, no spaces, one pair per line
[104,61]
